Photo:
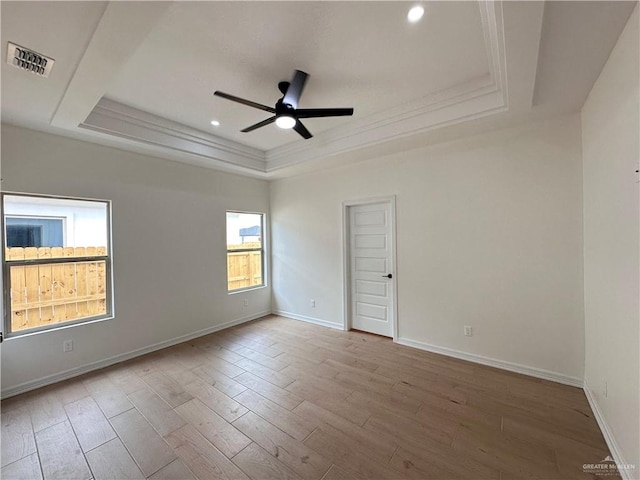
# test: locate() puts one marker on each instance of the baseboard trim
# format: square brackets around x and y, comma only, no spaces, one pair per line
[304,318]
[89,367]
[492,362]
[607,433]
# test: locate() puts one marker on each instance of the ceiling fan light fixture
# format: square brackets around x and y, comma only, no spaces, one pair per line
[285,121]
[415,14]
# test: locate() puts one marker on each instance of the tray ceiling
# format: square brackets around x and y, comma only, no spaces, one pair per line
[140,75]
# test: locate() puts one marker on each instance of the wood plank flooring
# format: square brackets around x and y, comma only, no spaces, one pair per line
[280,399]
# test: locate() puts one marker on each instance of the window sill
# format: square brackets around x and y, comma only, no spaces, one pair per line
[248,289]
[15,336]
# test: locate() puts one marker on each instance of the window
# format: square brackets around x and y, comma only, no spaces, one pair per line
[34,232]
[56,263]
[245,250]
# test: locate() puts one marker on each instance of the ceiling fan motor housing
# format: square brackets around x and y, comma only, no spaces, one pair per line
[284,109]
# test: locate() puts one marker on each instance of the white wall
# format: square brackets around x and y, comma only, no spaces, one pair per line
[169,247]
[611,253]
[489,234]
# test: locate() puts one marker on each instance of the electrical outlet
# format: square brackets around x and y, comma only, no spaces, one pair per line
[312,303]
[468,331]
[246,302]
[67,345]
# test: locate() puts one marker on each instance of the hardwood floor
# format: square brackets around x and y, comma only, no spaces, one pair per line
[277,398]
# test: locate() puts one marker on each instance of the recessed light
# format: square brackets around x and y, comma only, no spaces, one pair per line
[415,14]
[285,121]
[215,123]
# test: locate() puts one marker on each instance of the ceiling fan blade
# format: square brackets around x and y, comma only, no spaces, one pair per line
[295,89]
[302,130]
[323,112]
[248,103]
[259,124]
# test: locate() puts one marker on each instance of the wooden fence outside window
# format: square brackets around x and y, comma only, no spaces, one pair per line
[49,293]
[244,269]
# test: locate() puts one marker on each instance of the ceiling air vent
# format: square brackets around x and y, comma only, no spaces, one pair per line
[29,60]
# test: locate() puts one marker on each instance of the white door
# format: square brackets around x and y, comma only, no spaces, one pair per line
[371,268]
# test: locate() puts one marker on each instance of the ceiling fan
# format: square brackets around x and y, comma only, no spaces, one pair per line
[286,111]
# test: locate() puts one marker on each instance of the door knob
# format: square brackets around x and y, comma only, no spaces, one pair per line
[388,276]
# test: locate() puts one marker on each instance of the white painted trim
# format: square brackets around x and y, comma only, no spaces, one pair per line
[492,362]
[346,297]
[304,318]
[121,120]
[89,367]
[614,448]
[455,105]
[491,18]
[346,242]
[387,126]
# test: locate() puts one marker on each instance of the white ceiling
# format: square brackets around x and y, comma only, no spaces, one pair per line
[140,75]
[61,31]
[382,63]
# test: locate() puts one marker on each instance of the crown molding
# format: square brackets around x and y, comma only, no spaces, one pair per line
[475,98]
[121,120]
[447,108]
[493,29]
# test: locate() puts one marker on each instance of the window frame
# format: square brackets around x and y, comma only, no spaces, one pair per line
[262,250]
[6,269]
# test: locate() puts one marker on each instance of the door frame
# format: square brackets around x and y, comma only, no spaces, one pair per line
[346,259]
